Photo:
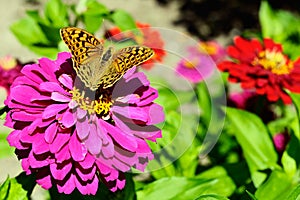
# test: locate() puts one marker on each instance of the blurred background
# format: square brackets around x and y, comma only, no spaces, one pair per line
[203,19]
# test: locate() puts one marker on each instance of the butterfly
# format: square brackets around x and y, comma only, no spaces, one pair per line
[97,65]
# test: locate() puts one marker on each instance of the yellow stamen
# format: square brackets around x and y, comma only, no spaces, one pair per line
[207,48]
[191,64]
[8,63]
[274,61]
[99,106]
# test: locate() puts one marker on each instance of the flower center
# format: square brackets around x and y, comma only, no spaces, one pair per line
[8,63]
[100,106]
[191,64]
[274,61]
[207,48]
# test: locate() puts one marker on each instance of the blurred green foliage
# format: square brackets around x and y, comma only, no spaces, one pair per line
[43,36]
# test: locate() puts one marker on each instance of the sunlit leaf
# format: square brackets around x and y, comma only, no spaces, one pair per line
[282,26]
[188,188]
[294,194]
[276,187]
[28,36]
[12,190]
[211,197]
[289,164]
[5,149]
[93,15]
[168,99]
[251,195]
[123,20]
[255,141]
[56,13]
[177,151]
[296,101]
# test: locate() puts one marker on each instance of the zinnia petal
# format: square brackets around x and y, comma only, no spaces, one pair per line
[60,136]
[251,67]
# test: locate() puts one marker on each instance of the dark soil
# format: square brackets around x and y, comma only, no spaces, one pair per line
[210,18]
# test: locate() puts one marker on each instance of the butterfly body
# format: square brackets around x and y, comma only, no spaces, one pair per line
[99,66]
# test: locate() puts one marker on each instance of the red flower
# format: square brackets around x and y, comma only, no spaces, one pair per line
[263,67]
[149,37]
[9,70]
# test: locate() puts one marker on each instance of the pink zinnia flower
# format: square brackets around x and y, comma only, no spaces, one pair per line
[211,48]
[9,69]
[195,68]
[242,99]
[70,140]
[201,61]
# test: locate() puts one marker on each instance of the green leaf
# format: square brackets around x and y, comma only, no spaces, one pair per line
[282,26]
[296,100]
[12,190]
[289,164]
[210,100]
[280,125]
[276,23]
[28,36]
[224,186]
[204,100]
[162,166]
[123,20]
[3,110]
[291,158]
[188,162]
[4,189]
[177,151]
[188,188]
[34,14]
[291,46]
[56,13]
[294,194]
[5,149]
[28,182]
[255,141]
[52,34]
[2,115]
[242,177]
[168,99]
[251,195]
[41,34]
[34,38]
[270,26]
[276,187]
[48,52]
[211,197]
[93,15]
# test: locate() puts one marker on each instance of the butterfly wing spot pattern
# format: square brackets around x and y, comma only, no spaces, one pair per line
[81,43]
[98,66]
[123,60]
